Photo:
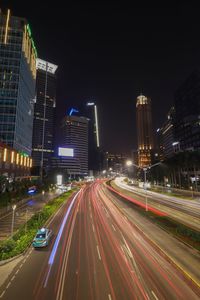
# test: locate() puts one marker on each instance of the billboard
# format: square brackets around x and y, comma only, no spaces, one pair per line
[66,152]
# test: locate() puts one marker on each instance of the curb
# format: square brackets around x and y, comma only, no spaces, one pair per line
[3,262]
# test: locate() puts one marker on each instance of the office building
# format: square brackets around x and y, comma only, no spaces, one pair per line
[75,138]
[187,114]
[166,137]
[44,116]
[114,162]
[144,130]
[94,156]
[17,82]
[14,164]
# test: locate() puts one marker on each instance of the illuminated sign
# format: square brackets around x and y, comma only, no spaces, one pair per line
[59,179]
[32,190]
[65,152]
[73,110]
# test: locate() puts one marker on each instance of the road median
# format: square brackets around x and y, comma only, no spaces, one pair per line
[23,237]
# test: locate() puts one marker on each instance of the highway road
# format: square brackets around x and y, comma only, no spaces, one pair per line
[96,253]
[183,210]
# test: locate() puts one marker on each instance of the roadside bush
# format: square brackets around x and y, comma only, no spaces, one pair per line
[23,237]
[7,246]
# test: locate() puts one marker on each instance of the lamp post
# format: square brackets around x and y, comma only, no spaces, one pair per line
[13,216]
[145,179]
[145,187]
[191,187]
[129,163]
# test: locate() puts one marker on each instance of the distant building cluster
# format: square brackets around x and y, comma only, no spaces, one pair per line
[27,118]
[27,113]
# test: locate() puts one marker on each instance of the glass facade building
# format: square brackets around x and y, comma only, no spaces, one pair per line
[75,136]
[17,82]
[187,113]
[44,116]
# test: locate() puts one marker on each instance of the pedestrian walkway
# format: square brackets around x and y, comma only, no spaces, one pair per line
[25,209]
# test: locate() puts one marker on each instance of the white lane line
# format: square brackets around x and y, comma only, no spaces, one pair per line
[9,283]
[154,295]
[113,227]
[127,247]
[93,228]
[109,297]
[21,265]
[65,259]
[2,294]
[98,252]
[17,272]
[12,278]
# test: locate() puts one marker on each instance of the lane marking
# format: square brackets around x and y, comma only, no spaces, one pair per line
[127,247]
[54,250]
[2,294]
[98,252]
[9,283]
[109,297]
[113,227]
[65,260]
[56,243]
[154,295]
[21,265]
[93,228]
[17,272]
[12,278]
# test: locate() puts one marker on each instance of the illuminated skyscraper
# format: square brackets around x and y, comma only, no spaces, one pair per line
[17,82]
[44,116]
[144,130]
[93,136]
[75,136]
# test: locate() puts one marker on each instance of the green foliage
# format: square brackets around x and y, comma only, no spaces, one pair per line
[24,236]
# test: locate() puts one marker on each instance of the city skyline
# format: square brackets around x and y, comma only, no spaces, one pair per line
[99,151]
[116,58]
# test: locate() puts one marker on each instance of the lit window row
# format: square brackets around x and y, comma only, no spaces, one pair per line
[14,157]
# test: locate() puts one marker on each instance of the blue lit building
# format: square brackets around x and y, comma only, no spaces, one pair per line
[17,82]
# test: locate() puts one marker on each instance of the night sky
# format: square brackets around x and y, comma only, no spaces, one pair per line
[113,51]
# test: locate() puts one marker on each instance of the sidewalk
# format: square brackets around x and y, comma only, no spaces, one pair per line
[25,209]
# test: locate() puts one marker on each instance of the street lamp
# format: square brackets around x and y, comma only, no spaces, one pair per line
[129,163]
[13,216]
[145,179]
[191,187]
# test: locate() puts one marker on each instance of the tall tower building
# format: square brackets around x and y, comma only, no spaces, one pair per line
[17,82]
[75,136]
[94,143]
[144,130]
[44,116]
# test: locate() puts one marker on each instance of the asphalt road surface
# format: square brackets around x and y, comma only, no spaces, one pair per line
[183,210]
[95,253]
